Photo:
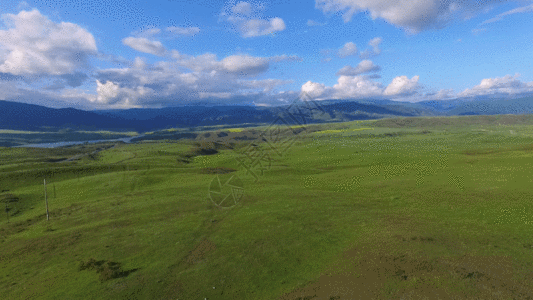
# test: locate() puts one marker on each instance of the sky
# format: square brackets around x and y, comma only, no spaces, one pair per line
[132,54]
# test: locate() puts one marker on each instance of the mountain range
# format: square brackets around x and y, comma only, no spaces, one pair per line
[21,116]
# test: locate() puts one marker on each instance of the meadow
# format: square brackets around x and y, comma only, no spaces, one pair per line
[404,208]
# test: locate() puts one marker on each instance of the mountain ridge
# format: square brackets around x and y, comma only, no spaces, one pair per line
[23,116]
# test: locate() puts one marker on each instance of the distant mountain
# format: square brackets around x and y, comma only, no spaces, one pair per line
[20,116]
[494,107]
[480,106]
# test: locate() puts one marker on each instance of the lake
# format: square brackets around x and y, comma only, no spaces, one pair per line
[64,144]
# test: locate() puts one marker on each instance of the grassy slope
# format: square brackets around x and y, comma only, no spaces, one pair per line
[467,189]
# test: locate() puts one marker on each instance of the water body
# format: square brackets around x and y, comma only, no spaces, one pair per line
[64,144]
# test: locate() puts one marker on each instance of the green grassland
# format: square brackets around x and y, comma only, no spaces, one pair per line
[402,208]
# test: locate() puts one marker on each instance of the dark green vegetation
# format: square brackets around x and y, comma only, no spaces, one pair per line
[389,209]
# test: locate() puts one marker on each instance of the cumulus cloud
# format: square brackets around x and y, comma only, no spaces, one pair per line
[248,22]
[365,66]
[402,85]
[412,15]
[145,45]
[186,31]
[34,45]
[188,79]
[243,65]
[361,86]
[242,8]
[519,10]
[347,87]
[257,27]
[348,49]
[356,87]
[374,43]
[106,91]
[314,89]
[110,93]
[507,85]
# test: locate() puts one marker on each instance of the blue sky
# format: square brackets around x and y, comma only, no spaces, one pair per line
[122,54]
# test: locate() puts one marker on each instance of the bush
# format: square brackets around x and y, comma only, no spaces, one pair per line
[107,269]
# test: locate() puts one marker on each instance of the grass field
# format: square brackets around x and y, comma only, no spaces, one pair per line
[406,208]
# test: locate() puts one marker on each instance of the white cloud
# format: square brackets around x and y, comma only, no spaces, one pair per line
[365,66]
[359,87]
[243,8]
[348,49]
[257,27]
[106,91]
[245,64]
[145,45]
[507,85]
[374,43]
[187,31]
[347,87]
[34,45]
[111,93]
[188,79]
[519,10]
[314,89]
[242,65]
[356,87]
[412,15]
[249,23]
[402,85]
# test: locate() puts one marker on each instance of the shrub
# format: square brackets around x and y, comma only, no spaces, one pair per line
[107,270]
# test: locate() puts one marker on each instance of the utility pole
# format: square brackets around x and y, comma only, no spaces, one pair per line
[46,201]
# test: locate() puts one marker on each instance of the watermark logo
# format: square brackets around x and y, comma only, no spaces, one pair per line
[226,191]
[265,147]
[279,136]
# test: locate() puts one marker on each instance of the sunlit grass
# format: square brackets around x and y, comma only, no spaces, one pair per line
[235,129]
[137,204]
